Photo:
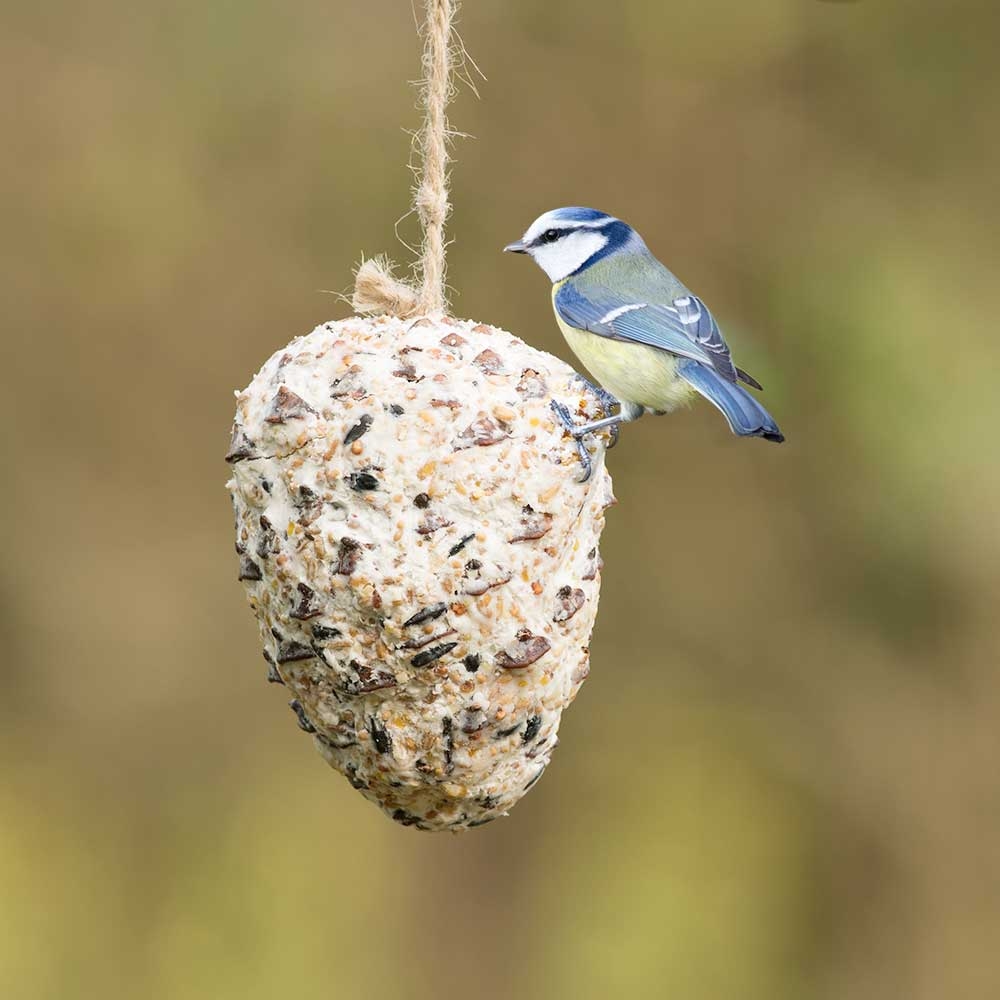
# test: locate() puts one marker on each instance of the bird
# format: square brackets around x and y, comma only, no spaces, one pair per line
[651,343]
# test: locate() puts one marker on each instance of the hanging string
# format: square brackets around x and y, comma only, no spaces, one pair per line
[432,195]
[376,289]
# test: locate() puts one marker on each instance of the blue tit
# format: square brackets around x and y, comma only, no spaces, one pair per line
[648,340]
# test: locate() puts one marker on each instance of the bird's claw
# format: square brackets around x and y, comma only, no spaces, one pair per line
[565,418]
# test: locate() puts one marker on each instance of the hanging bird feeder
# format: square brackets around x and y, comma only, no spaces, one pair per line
[412,532]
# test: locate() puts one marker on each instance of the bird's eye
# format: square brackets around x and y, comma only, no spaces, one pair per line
[550,235]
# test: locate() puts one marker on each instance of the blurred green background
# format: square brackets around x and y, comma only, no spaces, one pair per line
[781,780]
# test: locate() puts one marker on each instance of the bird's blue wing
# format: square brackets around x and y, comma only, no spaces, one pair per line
[685,327]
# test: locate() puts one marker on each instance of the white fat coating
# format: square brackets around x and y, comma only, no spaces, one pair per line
[570,252]
[333,570]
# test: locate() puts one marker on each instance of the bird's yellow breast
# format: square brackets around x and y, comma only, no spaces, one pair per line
[635,373]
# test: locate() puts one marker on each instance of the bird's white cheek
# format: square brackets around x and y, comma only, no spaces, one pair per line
[563,257]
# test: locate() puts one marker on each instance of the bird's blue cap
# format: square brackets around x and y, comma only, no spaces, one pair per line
[576,215]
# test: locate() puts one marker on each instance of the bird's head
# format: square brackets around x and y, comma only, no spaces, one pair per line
[567,240]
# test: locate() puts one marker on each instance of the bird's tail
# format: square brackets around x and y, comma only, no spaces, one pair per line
[745,415]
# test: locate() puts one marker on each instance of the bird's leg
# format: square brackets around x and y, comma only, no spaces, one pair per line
[626,412]
[606,400]
[581,430]
[561,410]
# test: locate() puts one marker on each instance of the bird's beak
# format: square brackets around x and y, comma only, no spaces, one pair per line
[516,247]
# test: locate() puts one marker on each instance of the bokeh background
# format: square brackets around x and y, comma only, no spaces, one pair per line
[781,780]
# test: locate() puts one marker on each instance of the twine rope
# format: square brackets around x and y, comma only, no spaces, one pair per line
[376,289]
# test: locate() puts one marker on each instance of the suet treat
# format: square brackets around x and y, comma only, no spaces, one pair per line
[421,555]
